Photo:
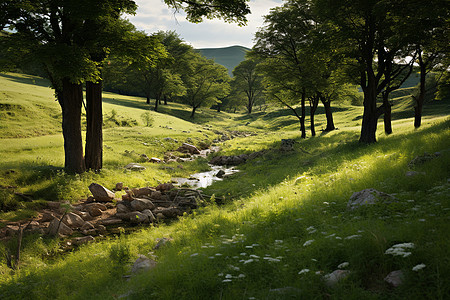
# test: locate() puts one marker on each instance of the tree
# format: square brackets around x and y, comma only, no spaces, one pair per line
[205,81]
[366,32]
[249,81]
[61,36]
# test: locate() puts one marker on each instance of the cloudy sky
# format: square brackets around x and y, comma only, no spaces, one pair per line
[154,15]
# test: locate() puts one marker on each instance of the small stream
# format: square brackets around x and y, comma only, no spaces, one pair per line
[204,179]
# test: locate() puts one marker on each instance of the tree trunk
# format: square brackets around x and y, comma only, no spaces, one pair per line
[249,106]
[370,115]
[421,97]
[71,124]
[302,119]
[94,134]
[328,114]
[156,104]
[148,99]
[219,107]
[193,112]
[387,115]
[165,100]
[314,102]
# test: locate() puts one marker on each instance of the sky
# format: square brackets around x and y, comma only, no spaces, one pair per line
[154,15]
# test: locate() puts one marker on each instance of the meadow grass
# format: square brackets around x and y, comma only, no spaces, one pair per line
[281,215]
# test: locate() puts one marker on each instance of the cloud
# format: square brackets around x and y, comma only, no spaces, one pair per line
[154,15]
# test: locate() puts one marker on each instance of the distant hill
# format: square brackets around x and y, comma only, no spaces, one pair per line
[228,57]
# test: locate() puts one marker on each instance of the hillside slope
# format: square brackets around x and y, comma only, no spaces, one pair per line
[228,57]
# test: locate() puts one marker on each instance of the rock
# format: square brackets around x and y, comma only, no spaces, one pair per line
[100,206]
[185,147]
[156,195]
[414,173]
[220,174]
[101,228]
[122,208]
[137,217]
[169,139]
[143,264]
[159,216]
[149,214]
[368,196]
[155,160]
[395,278]
[46,217]
[73,220]
[170,212]
[84,215]
[94,211]
[101,193]
[110,221]
[83,240]
[92,231]
[119,186]
[145,157]
[164,187]
[141,204]
[134,167]
[58,228]
[11,230]
[334,277]
[128,196]
[421,159]
[145,191]
[54,205]
[162,242]
[287,145]
[87,226]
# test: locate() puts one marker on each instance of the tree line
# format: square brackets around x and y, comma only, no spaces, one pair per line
[308,52]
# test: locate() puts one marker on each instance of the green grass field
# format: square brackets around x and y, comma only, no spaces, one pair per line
[282,223]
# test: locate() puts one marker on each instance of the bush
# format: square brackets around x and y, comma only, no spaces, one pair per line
[147,118]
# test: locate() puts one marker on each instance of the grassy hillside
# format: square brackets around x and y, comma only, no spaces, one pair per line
[282,223]
[228,57]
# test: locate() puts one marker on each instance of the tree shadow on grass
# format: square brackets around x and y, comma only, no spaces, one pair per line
[27,79]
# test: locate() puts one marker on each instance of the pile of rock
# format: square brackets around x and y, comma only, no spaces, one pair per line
[234,160]
[147,205]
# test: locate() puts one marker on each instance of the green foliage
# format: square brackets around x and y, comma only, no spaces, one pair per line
[148,119]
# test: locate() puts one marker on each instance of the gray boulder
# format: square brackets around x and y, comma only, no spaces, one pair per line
[334,277]
[134,167]
[141,204]
[143,264]
[58,228]
[368,196]
[101,193]
[395,278]
[73,220]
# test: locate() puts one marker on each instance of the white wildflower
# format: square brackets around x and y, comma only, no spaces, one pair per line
[241,275]
[303,271]
[194,254]
[248,261]
[307,243]
[220,274]
[243,254]
[400,249]
[311,229]
[418,267]
[228,276]
[254,256]
[226,280]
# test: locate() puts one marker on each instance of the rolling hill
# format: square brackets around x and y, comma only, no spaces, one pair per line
[228,57]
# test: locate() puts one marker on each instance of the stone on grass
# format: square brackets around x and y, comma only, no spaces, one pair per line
[58,228]
[142,191]
[119,186]
[414,173]
[161,242]
[334,277]
[134,167]
[143,264]
[395,278]
[149,214]
[73,220]
[101,193]
[165,187]
[87,226]
[94,211]
[136,217]
[111,221]
[368,196]
[83,240]
[185,147]
[122,208]
[141,204]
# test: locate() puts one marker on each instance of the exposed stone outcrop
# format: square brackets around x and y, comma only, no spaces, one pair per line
[368,197]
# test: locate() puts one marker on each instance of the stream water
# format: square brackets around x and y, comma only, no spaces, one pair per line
[204,179]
